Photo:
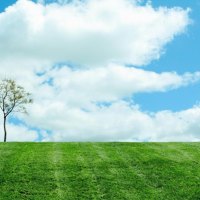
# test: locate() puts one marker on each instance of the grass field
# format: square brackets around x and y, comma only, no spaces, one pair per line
[56,171]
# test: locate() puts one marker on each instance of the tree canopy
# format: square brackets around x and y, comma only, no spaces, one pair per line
[13,98]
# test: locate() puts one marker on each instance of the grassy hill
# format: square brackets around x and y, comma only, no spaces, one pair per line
[57,171]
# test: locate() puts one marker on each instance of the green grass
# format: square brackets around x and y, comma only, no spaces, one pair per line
[57,171]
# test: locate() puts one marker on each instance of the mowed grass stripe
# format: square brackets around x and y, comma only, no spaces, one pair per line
[77,172]
[28,174]
[57,159]
[62,171]
[168,169]
[121,177]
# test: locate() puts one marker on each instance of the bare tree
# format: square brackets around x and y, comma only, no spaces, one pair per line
[13,98]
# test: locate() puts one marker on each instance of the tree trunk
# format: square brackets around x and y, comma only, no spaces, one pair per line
[4,126]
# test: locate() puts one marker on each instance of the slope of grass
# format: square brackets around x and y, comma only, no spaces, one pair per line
[57,171]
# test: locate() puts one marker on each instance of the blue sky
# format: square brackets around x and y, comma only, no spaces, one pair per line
[181,55]
[5,4]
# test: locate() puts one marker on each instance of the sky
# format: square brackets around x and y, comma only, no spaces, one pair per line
[110,70]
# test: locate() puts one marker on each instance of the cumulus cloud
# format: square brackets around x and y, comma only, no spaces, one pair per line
[89,33]
[44,2]
[86,87]
[18,132]
[92,99]
[120,122]
[110,83]
[88,105]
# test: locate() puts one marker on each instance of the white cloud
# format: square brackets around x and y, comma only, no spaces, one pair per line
[62,2]
[110,83]
[18,133]
[89,33]
[67,106]
[120,122]
[34,37]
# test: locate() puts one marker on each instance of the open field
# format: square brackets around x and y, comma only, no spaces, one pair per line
[56,171]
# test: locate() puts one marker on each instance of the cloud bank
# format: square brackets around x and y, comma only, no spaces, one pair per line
[89,33]
[74,59]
